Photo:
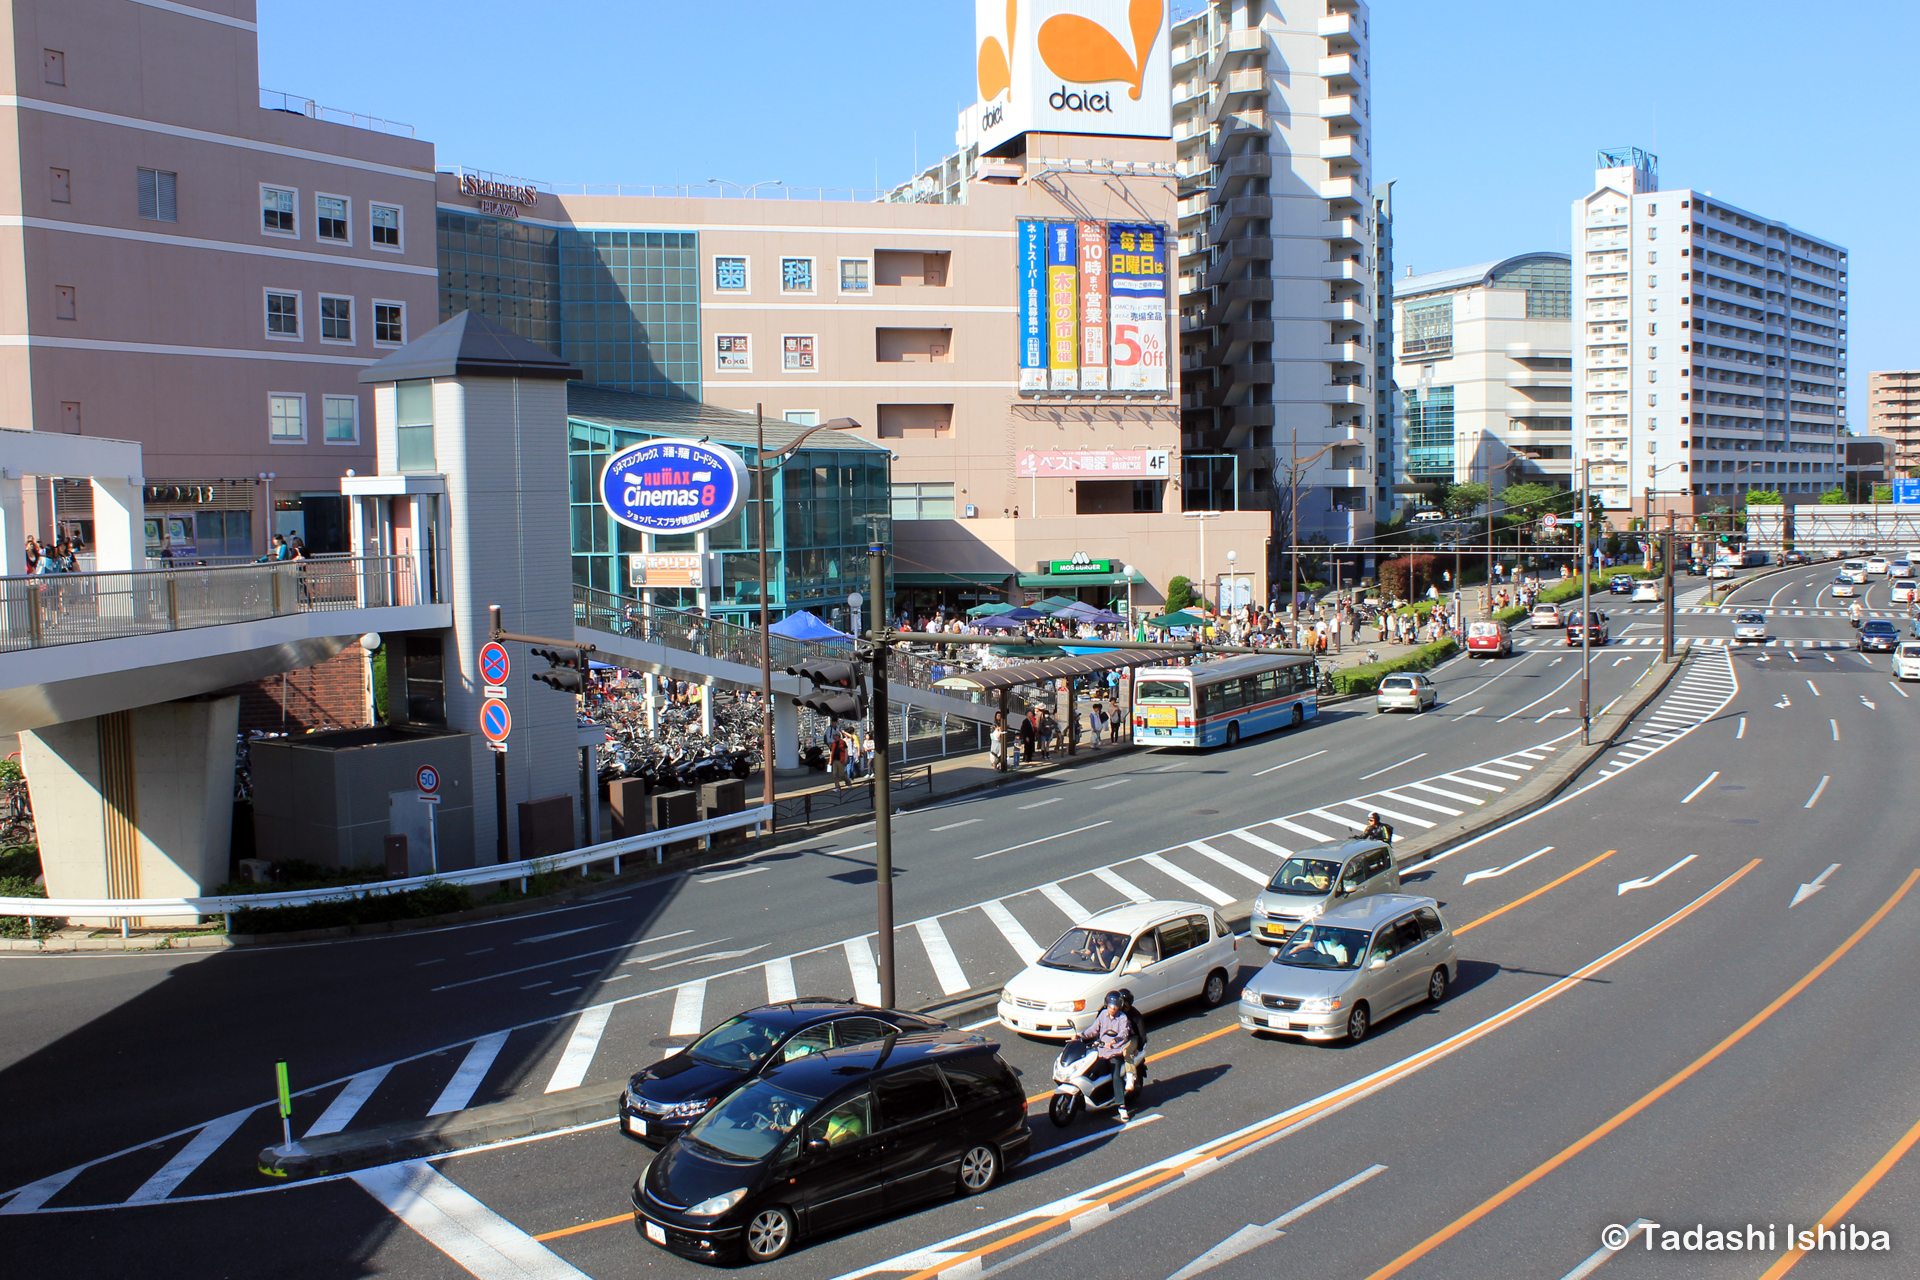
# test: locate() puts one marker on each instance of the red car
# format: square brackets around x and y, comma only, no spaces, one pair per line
[1594,623]
[1488,639]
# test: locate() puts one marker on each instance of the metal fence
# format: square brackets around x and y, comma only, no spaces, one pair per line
[72,608]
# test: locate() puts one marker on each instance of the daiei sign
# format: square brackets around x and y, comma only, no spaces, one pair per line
[1072,66]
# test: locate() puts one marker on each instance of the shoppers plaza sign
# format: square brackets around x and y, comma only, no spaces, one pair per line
[1072,66]
[494,196]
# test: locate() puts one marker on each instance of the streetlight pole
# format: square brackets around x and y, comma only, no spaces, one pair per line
[1586,602]
[883,765]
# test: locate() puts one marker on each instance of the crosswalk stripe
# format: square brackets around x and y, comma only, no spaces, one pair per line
[1422,823]
[1308,832]
[1397,798]
[1122,886]
[866,974]
[1514,764]
[689,1005]
[1279,851]
[780,988]
[1188,879]
[946,968]
[1065,901]
[1234,864]
[473,1068]
[1340,818]
[581,1046]
[480,1241]
[1480,768]
[1472,782]
[190,1157]
[341,1111]
[1013,931]
[1442,791]
[1529,755]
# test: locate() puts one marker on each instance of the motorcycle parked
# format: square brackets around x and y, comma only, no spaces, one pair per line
[1075,1085]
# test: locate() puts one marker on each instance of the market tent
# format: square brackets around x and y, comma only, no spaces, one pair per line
[1023,615]
[1054,604]
[990,609]
[1179,619]
[1001,623]
[806,626]
[1101,617]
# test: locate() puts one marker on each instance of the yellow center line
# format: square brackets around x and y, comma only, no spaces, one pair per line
[585,1226]
[1164,1053]
[1498,911]
[1845,1206]
[1680,1077]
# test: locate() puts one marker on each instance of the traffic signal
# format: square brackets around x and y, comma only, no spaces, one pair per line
[840,688]
[567,669]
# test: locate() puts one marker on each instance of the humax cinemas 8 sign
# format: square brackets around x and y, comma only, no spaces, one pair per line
[493,196]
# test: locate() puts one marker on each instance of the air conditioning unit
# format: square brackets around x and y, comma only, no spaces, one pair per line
[972,511]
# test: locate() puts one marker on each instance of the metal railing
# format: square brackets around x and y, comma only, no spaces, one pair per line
[274,100]
[44,610]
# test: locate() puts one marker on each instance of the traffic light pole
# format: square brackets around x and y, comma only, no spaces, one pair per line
[1666,628]
[882,767]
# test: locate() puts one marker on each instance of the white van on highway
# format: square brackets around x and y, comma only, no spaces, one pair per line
[1906,660]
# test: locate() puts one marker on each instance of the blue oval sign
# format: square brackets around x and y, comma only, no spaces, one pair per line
[673,486]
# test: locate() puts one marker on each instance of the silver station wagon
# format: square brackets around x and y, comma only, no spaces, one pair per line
[1352,966]
[1315,879]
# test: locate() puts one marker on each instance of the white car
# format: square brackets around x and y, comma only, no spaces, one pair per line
[1843,589]
[1162,952]
[1546,615]
[1721,570]
[1907,592]
[1899,568]
[1854,570]
[1906,661]
[1877,564]
[1648,589]
[1749,627]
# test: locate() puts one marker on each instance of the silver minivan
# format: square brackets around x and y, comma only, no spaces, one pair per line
[1314,880]
[1350,967]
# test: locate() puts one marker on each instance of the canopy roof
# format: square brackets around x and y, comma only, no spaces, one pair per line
[806,626]
[468,345]
[1053,669]
[1179,619]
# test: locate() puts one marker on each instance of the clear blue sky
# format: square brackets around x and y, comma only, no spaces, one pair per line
[1487,112]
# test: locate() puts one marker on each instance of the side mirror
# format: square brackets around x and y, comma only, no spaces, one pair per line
[1136,963]
[1378,962]
[1348,886]
[816,1144]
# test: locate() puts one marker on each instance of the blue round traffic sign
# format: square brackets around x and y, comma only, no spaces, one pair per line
[493,662]
[495,720]
[673,486]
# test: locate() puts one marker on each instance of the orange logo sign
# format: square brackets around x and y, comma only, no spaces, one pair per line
[1077,49]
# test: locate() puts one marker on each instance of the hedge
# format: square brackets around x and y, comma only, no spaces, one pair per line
[432,899]
[26,926]
[1366,678]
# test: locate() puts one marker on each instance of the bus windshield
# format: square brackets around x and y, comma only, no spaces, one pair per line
[1152,690]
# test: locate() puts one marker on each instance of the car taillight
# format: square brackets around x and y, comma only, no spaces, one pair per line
[1186,722]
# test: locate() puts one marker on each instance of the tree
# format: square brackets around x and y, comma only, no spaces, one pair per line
[1394,575]
[1179,594]
[1464,499]
[1530,499]
[1835,497]
[1763,498]
[1883,493]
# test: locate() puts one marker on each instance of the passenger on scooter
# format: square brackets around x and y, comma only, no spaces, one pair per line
[1110,1033]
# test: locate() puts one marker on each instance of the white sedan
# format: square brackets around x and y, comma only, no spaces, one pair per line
[1162,952]
[1844,588]
[1876,564]
[1905,592]
[1648,589]
[1899,568]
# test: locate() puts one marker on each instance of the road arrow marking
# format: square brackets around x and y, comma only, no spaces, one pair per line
[549,937]
[1557,661]
[1785,701]
[1251,1237]
[1476,711]
[1806,891]
[1627,885]
[711,955]
[1869,705]
[1557,711]
[1491,873]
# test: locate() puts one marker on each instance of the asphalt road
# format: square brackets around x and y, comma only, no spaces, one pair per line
[1610,1053]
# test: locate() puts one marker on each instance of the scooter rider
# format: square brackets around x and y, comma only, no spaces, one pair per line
[1110,1034]
[1855,612]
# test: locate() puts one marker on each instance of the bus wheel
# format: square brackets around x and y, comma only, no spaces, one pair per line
[1298,716]
[1233,733]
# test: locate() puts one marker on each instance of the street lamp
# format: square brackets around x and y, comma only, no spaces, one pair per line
[1296,463]
[745,189]
[1128,570]
[1203,517]
[1220,593]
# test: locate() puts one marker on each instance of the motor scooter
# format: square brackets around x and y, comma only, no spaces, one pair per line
[1076,1085]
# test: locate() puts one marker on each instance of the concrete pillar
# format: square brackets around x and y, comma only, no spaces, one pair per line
[119,524]
[786,735]
[13,525]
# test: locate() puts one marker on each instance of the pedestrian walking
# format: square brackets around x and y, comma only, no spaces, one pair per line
[838,759]
[1027,734]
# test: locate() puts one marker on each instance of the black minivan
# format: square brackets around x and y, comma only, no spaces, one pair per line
[830,1138]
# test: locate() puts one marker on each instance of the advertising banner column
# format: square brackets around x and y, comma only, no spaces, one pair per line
[1032,251]
[1093,307]
[1137,274]
[1063,309]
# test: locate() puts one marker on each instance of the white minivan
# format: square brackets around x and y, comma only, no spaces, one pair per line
[1906,660]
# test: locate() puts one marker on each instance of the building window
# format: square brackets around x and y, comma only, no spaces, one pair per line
[276,211]
[1428,419]
[856,275]
[61,185]
[796,275]
[287,419]
[283,314]
[732,353]
[413,424]
[803,417]
[796,353]
[330,219]
[336,319]
[157,195]
[66,301]
[923,501]
[730,275]
[389,324]
[343,420]
[1427,328]
[386,226]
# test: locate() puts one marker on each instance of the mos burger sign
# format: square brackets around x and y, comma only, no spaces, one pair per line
[1072,66]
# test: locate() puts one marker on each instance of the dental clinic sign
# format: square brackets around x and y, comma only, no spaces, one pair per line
[673,486]
[1072,66]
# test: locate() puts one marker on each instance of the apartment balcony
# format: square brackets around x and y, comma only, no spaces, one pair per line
[1344,147]
[1344,27]
[1541,409]
[1232,339]
[1343,71]
[1236,256]
[1242,169]
[1236,87]
[1346,269]
[1338,229]
[1338,394]
[1248,123]
[1531,351]
[1349,311]
[1341,189]
[1246,417]
[1344,352]
[1538,378]
[1341,109]
[1235,214]
[1233,299]
[1190,91]
[1341,477]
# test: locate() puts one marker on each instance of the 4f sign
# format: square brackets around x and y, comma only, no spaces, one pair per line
[1072,66]
[673,486]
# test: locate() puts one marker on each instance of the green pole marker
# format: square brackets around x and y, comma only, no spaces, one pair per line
[286,1098]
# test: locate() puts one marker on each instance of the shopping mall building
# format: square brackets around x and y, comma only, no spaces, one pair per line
[204,267]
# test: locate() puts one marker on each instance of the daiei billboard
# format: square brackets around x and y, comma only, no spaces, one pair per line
[1072,66]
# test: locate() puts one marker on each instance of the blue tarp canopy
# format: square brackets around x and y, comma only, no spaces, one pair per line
[806,626]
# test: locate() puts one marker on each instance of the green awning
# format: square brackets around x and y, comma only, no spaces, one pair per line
[985,581]
[1068,581]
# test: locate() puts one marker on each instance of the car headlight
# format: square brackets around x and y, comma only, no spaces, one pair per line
[1006,995]
[687,1110]
[1320,1004]
[714,1206]
[1067,1006]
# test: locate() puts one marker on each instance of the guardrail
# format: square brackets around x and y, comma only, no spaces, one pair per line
[858,793]
[43,610]
[227,904]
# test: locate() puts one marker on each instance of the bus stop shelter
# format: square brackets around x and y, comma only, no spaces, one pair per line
[1002,681]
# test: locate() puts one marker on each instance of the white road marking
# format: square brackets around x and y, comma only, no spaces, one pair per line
[1480,768]
[564,933]
[1422,823]
[1816,688]
[1043,839]
[946,967]
[473,1068]
[1278,850]
[1702,787]
[779,973]
[1835,726]
[1065,901]
[1491,872]
[1013,931]
[965,822]
[1124,887]
[1188,879]
[1741,732]
[731,875]
[1039,803]
[190,1157]
[1626,886]
[347,1103]
[1441,791]
[1897,689]
[1101,1136]
[480,1241]
[866,974]
[1397,798]
[581,1046]
[1234,864]
[1264,772]
[1816,791]
[689,1008]
[1807,890]
[1594,1260]
[1542,698]
[586,955]
[31,1197]
[1116,782]
[1341,818]
[1251,1237]
[1390,768]
[711,955]
[1315,836]
[1473,782]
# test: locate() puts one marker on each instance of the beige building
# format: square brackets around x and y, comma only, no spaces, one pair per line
[200,266]
[1893,411]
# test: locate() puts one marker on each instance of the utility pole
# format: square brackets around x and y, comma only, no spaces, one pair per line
[1666,592]
[878,634]
[766,639]
[1586,603]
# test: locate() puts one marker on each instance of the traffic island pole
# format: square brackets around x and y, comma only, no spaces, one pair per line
[500,801]
[882,766]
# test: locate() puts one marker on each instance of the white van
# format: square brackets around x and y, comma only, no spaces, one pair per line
[1906,660]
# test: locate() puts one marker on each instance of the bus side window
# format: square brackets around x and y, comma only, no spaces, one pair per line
[1270,685]
[1286,676]
[1249,690]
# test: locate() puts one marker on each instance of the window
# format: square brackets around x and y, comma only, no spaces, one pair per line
[926,500]
[796,275]
[1427,328]
[914,1094]
[732,353]
[1653,210]
[53,65]
[977,1081]
[1175,936]
[283,314]
[65,302]
[413,424]
[336,319]
[60,182]
[389,324]
[849,1121]
[287,419]
[342,420]
[1386,944]
[803,417]
[850,1031]
[1652,257]
[330,219]
[730,275]
[796,353]
[385,219]
[856,275]
[276,211]
[1653,282]
[157,187]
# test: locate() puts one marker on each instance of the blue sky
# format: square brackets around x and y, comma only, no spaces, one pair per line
[1487,112]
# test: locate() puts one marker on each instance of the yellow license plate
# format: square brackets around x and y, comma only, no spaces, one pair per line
[1166,716]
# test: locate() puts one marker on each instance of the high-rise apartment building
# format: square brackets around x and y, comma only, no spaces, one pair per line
[1386,396]
[1710,346]
[1484,370]
[1893,411]
[1279,265]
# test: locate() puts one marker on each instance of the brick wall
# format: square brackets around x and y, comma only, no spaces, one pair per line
[331,694]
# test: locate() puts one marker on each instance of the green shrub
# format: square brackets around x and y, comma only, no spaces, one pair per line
[21,862]
[26,926]
[432,899]
[1511,614]
[11,772]
[1366,678]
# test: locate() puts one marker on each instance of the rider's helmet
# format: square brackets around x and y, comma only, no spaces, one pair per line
[1126,997]
[1116,999]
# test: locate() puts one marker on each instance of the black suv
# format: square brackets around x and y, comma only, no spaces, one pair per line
[661,1101]
[830,1138]
[1622,584]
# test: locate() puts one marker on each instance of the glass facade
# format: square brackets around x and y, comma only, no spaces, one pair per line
[506,270]
[1428,419]
[1427,328]
[1548,282]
